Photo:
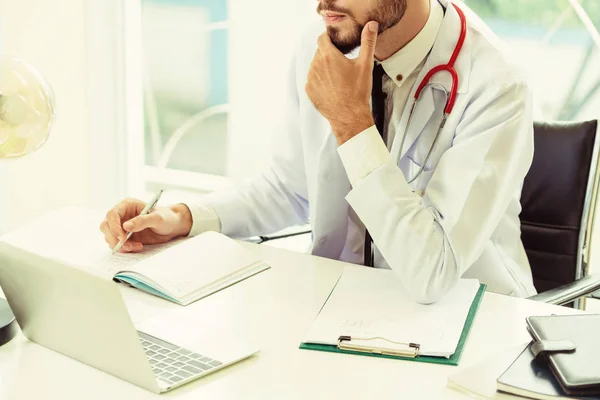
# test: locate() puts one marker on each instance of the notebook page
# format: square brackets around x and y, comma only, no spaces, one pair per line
[72,236]
[371,303]
[197,262]
[124,261]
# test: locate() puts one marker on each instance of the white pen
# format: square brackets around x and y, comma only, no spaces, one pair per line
[147,210]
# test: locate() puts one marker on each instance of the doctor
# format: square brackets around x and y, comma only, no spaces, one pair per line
[431,191]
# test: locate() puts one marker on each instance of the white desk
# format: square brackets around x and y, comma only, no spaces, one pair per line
[275,308]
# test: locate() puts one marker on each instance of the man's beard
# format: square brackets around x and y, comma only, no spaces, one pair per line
[387,14]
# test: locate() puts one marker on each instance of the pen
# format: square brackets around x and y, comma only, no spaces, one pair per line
[147,210]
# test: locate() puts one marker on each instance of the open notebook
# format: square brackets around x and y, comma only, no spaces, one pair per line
[181,271]
[193,269]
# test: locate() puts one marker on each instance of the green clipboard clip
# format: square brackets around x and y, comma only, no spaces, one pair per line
[412,349]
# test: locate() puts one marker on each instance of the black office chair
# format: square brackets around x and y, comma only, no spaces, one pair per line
[559,204]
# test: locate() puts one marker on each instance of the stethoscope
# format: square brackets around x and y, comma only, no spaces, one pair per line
[450,100]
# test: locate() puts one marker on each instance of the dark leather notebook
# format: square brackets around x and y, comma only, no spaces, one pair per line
[528,377]
[571,346]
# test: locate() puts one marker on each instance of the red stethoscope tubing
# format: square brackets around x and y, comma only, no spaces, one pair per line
[449,67]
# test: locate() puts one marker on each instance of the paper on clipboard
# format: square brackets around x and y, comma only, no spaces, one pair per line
[370,303]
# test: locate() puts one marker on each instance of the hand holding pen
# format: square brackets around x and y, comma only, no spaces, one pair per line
[147,210]
[147,223]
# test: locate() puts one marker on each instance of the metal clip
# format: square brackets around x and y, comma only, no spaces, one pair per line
[412,350]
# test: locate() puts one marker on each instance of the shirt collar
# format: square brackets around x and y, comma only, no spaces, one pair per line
[403,63]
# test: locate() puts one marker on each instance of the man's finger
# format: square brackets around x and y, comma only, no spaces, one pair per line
[104,227]
[114,224]
[368,43]
[121,208]
[132,247]
[138,224]
[111,240]
[325,46]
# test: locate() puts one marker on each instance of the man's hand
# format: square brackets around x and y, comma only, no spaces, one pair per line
[341,88]
[160,226]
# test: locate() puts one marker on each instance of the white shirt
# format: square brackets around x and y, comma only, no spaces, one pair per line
[401,71]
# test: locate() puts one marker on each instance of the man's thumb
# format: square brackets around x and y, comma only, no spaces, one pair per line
[369,41]
[139,223]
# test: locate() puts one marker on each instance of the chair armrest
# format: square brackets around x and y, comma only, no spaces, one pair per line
[570,292]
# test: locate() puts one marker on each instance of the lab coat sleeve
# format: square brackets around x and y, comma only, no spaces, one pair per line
[204,218]
[277,198]
[363,154]
[431,241]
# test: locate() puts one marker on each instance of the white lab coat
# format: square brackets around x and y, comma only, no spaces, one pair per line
[467,222]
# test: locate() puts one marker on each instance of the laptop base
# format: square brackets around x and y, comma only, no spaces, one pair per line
[8,325]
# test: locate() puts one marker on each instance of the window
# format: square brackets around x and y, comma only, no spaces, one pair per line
[558,43]
[210,79]
[185,85]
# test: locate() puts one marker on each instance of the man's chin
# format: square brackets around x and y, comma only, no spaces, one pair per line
[345,48]
[337,38]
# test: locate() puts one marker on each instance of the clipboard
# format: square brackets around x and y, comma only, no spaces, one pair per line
[411,353]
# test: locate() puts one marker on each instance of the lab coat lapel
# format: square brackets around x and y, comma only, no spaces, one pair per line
[331,208]
[425,107]
[440,54]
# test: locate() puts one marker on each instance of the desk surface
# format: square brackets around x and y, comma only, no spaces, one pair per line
[275,309]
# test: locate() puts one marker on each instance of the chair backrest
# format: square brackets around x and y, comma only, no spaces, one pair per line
[558,201]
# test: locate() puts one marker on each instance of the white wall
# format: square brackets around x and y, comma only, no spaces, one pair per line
[51,36]
[263,34]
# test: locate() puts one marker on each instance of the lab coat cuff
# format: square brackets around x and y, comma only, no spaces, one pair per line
[363,154]
[204,218]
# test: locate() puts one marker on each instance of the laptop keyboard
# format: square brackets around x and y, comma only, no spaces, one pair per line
[173,364]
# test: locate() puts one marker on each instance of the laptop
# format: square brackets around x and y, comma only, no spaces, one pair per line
[83,316]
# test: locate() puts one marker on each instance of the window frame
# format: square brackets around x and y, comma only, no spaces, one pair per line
[116,110]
